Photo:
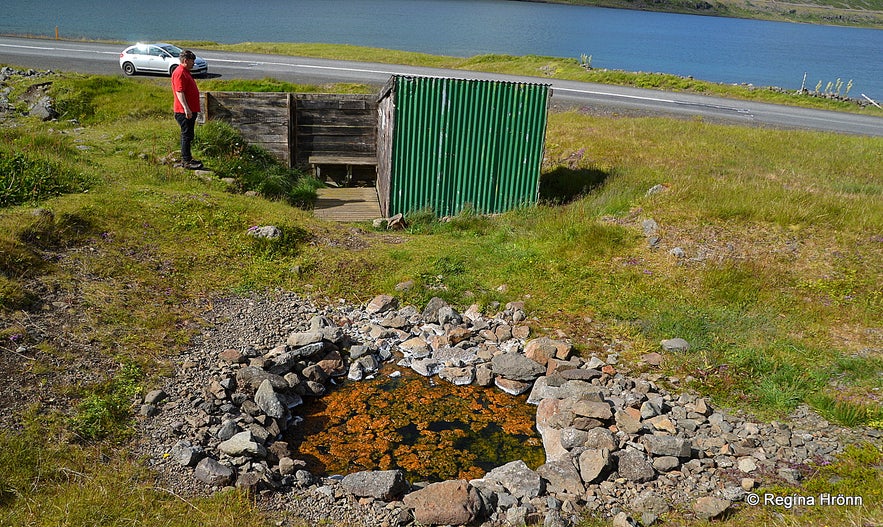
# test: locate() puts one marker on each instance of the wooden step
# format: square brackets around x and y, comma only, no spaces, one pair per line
[347,204]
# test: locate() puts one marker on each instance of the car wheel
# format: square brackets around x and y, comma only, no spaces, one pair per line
[172,69]
[128,68]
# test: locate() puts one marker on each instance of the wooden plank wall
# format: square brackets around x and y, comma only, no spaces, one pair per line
[386,133]
[261,118]
[294,126]
[338,125]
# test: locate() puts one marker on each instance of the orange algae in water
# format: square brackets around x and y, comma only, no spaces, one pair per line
[431,430]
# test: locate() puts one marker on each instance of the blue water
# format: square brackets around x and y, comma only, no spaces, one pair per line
[715,49]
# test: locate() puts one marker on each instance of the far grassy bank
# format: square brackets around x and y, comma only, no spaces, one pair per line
[826,12]
[827,94]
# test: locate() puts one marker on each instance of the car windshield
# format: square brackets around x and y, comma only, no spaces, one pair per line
[172,50]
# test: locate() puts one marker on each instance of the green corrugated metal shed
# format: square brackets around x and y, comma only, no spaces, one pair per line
[444,143]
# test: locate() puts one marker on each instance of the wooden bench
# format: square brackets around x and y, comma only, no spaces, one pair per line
[348,161]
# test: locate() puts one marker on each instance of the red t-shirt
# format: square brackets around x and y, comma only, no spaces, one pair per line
[182,81]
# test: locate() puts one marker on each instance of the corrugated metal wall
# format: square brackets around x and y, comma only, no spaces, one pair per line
[465,141]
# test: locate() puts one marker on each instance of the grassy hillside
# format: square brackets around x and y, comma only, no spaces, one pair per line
[864,13]
[107,253]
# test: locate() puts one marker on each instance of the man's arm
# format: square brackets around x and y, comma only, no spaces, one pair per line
[183,100]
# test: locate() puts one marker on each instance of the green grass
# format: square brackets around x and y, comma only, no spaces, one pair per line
[779,295]
[47,482]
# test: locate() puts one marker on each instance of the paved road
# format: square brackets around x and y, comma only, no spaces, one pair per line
[103,59]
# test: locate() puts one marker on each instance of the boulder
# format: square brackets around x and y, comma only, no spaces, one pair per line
[667,446]
[674,345]
[593,409]
[252,377]
[453,502]
[562,477]
[511,387]
[633,466]
[381,304]
[243,444]
[267,401]
[304,338]
[709,507]
[186,454]
[518,479]
[430,312]
[458,376]
[332,363]
[629,420]
[384,485]
[211,472]
[516,367]
[593,462]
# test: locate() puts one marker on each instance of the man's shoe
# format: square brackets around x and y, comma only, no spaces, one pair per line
[193,165]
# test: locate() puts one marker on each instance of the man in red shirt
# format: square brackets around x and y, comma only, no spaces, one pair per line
[186,106]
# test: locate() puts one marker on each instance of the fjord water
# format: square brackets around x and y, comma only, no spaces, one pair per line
[709,48]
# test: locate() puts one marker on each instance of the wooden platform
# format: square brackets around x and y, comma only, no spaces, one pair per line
[347,204]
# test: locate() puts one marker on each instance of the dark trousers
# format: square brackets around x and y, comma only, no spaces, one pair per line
[187,134]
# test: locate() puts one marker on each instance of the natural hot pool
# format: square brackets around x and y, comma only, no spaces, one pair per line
[432,430]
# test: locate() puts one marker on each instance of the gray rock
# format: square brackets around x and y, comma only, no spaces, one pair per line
[573,437]
[659,445]
[356,372]
[447,315]
[593,409]
[211,472]
[516,367]
[304,338]
[155,397]
[553,518]
[458,376]
[791,475]
[252,377]
[186,454]
[268,402]
[675,345]
[652,502]
[593,462]
[634,466]
[228,429]
[666,463]
[600,438]
[243,444]
[511,387]
[517,478]
[709,507]
[44,109]
[430,312]
[384,485]
[381,304]
[426,367]
[562,477]
[267,232]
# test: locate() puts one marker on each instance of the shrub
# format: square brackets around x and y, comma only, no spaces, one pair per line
[28,180]
[106,411]
[253,168]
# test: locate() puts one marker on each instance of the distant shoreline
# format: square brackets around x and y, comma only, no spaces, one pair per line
[801,13]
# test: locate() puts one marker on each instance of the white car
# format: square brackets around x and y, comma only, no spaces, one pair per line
[156,58]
